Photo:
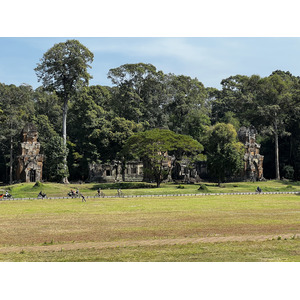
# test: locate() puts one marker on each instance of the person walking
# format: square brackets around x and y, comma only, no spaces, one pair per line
[83,198]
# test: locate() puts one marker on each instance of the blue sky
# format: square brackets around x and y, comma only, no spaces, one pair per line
[210,59]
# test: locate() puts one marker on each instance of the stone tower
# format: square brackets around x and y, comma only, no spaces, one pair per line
[253,167]
[30,162]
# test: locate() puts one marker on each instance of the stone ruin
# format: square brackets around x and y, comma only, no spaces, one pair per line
[136,171]
[116,172]
[253,166]
[30,162]
[183,170]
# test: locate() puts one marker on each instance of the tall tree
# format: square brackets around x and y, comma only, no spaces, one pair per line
[187,108]
[63,69]
[153,147]
[274,106]
[140,94]
[18,108]
[224,152]
[263,102]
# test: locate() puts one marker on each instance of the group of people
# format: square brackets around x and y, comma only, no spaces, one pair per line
[73,193]
[76,194]
[6,195]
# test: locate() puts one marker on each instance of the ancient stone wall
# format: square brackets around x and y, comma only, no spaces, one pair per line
[116,172]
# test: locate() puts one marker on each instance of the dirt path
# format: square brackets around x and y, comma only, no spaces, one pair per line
[179,241]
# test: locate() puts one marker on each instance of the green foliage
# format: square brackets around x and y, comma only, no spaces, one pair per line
[288,172]
[55,152]
[101,119]
[203,188]
[224,153]
[63,68]
[124,185]
[153,147]
[140,95]
[38,184]
[187,109]
[17,107]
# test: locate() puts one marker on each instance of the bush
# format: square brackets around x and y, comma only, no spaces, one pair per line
[180,186]
[203,188]
[124,185]
[288,172]
[38,184]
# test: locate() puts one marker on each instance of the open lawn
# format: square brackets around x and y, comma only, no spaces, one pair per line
[29,190]
[185,228]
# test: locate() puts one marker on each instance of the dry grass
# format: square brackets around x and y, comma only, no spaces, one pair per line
[45,222]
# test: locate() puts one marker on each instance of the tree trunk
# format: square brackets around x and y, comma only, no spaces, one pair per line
[276,152]
[11,162]
[64,134]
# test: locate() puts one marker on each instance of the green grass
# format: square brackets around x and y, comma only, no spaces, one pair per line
[29,190]
[268,251]
[60,222]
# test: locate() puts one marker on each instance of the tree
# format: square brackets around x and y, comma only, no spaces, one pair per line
[267,103]
[154,146]
[187,109]
[224,153]
[18,108]
[140,94]
[63,69]
[55,151]
[48,104]
[274,106]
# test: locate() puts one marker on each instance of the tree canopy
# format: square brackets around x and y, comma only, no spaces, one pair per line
[63,69]
[102,119]
[154,146]
[224,152]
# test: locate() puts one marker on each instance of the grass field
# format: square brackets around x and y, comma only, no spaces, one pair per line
[185,228]
[29,190]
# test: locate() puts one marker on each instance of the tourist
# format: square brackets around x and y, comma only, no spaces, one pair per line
[83,198]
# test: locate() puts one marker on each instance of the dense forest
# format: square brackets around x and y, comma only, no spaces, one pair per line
[100,119]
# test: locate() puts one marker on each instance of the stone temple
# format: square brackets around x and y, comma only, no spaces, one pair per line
[253,161]
[30,162]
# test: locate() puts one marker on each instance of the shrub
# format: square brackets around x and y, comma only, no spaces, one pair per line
[180,186]
[124,185]
[288,172]
[203,188]
[37,184]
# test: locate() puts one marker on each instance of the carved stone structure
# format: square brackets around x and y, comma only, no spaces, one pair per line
[30,162]
[253,167]
[137,171]
[116,172]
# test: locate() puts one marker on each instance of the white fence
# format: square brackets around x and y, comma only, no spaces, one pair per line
[168,195]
